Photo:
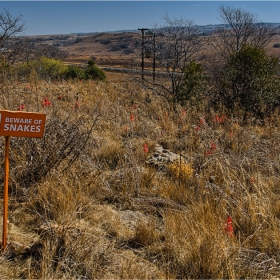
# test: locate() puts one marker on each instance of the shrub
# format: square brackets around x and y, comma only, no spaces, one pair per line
[78,40]
[249,81]
[64,140]
[128,51]
[91,62]
[124,45]
[105,41]
[51,68]
[74,72]
[95,73]
[193,83]
[45,68]
[116,48]
[6,70]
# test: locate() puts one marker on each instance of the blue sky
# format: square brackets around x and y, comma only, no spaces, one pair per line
[63,17]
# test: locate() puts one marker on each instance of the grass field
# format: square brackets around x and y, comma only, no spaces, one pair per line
[84,201]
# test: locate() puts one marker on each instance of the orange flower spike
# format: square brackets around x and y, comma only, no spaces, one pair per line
[202,121]
[217,119]
[228,228]
[145,148]
[213,146]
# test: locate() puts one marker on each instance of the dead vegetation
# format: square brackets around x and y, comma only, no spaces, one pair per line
[84,201]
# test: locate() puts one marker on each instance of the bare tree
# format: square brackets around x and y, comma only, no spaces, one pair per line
[177,43]
[10,27]
[240,28]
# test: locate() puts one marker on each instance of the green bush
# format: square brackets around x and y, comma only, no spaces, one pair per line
[91,72]
[249,82]
[50,68]
[193,83]
[44,68]
[95,73]
[74,72]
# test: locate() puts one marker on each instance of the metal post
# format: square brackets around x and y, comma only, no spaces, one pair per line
[5,203]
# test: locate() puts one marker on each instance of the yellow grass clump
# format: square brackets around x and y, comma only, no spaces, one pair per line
[180,170]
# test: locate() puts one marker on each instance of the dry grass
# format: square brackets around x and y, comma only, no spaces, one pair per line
[98,210]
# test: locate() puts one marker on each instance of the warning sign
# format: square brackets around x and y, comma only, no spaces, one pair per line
[22,124]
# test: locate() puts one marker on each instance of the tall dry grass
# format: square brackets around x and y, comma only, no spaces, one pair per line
[84,202]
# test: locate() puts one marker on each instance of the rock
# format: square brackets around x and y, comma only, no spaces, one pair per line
[162,157]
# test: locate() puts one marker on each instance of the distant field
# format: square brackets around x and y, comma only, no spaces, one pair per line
[121,49]
[103,47]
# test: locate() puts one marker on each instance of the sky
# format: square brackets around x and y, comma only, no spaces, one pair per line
[64,17]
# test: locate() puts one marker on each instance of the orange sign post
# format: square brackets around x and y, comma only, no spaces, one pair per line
[18,124]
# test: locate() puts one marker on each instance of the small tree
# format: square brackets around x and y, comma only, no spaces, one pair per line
[249,82]
[177,43]
[75,72]
[93,72]
[9,27]
[240,28]
[193,84]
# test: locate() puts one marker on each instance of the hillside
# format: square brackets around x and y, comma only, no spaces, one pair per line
[128,185]
[154,194]
[122,48]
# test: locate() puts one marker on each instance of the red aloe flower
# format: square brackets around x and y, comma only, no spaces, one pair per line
[145,148]
[228,228]
[217,119]
[221,119]
[202,121]
[21,107]
[132,117]
[46,102]
[213,146]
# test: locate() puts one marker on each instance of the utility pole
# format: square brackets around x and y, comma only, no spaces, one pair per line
[154,59]
[143,41]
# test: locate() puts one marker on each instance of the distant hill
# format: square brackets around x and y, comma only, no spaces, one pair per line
[108,47]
